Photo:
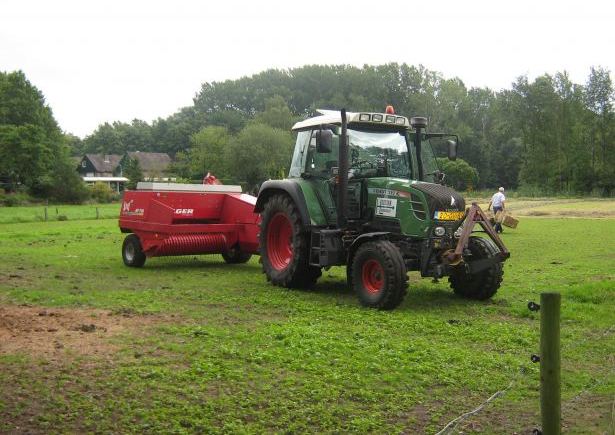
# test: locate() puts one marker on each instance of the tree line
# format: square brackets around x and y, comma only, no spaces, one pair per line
[547,135]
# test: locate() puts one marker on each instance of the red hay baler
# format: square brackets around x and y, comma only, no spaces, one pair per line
[188,219]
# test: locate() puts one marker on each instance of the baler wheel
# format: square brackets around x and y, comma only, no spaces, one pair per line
[379,275]
[132,252]
[235,256]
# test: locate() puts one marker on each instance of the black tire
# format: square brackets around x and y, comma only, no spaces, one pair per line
[379,275]
[284,245]
[235,256]
[132,252]
[484,284]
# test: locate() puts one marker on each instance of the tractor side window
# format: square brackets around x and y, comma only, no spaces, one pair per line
[320,164]
[430,164]
[300,154]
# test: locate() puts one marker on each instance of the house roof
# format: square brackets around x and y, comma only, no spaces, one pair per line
[104,162]
[151,162]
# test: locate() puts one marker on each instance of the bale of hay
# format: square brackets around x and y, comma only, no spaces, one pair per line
[505,219]
[510,221]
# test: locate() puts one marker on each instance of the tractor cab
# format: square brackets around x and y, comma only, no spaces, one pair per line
[380,145]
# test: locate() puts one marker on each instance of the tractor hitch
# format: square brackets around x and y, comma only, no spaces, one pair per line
[474,215]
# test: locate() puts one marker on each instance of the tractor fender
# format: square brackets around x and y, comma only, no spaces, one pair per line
[273,187]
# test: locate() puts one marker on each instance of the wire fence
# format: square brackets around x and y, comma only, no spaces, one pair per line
[53,213]
[454,423]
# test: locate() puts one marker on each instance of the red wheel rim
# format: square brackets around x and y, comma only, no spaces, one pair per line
[279,241]
[372,275]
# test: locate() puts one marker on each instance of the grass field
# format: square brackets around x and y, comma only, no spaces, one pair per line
[194,345]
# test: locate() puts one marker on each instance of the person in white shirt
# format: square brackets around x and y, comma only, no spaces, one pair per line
[498,200]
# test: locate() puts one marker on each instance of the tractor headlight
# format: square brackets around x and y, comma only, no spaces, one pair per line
[439,231]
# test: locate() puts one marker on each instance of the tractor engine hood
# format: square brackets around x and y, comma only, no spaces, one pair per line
[441,198]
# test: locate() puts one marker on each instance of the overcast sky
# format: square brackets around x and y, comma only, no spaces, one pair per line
[98,61]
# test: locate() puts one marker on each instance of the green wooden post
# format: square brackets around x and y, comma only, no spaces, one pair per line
[45,213]
[550,394]
[97,215]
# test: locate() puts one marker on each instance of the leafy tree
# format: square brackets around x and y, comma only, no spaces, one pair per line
[132,171]
[33,150]
[259,152]
[276,114]
[459,174]
[66,184]
[25,154]
[599,100]
[75,144]
[208,152]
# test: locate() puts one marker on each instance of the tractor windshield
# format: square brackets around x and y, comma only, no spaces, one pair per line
[371,153]
[378,154]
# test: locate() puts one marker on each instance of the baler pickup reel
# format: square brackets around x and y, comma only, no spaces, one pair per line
[474,215]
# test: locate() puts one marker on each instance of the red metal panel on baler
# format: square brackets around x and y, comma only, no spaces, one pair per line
[240,209]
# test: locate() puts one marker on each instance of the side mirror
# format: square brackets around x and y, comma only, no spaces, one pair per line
[324,138]
[452,150]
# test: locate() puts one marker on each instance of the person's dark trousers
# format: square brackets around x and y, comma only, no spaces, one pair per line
[498,225]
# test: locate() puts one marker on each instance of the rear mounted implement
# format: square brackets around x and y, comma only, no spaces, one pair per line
[188,219]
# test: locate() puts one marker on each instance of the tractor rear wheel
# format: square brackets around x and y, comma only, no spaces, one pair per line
[379,275]
[481,285]
[235,256]
[132,252]
[284,246]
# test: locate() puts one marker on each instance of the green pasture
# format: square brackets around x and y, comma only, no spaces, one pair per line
[224,352]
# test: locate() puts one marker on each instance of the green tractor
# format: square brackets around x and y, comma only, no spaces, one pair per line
[364,191]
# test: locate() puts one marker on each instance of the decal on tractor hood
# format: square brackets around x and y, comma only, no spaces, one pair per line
[388,192]
[386,207]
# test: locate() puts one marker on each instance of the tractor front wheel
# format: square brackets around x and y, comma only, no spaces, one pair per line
[284,246]
[481,285]
[132,252]
[379,275]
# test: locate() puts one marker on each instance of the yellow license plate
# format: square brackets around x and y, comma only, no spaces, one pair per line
[449,215]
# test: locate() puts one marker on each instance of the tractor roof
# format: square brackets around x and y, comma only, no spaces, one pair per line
[369,118]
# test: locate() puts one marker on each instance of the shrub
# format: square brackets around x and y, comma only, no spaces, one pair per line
[14,199]
[101,192]
[459,174]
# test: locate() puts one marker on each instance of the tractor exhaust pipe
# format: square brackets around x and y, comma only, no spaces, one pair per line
[342,165]
[419,124]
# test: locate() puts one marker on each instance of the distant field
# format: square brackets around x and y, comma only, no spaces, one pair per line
[71,212]
[191,344]
[549,207]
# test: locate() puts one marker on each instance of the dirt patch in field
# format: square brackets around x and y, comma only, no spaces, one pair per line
[53,332]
